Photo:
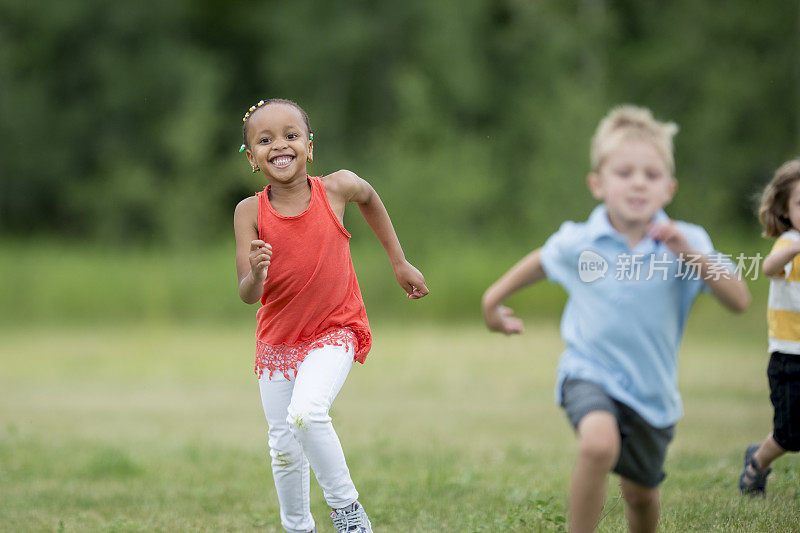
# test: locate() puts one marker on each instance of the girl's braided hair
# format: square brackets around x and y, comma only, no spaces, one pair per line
[264,103]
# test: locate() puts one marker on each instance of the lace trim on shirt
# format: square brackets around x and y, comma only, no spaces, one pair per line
[286,358]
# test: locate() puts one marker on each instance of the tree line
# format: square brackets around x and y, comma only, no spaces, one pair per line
[472,118]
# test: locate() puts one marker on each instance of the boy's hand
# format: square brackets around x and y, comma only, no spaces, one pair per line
[260,256]
[669,234]
[411,280]
[501,318]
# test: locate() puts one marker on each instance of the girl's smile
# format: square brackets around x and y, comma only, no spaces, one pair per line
[282,161]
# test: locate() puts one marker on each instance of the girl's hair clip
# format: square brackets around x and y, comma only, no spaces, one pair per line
[242,148]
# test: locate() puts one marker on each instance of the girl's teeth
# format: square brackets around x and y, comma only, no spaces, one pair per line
[281,161]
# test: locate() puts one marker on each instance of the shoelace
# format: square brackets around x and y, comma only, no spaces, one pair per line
[348,520]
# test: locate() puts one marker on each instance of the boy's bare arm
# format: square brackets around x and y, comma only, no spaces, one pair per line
[725,285]
[527,271]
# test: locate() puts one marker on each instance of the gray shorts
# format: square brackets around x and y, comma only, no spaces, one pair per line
[644,447]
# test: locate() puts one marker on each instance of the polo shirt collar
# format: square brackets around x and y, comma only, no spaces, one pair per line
[599,226]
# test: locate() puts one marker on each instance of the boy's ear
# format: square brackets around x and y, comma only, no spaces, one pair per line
[595,187]
[673,188]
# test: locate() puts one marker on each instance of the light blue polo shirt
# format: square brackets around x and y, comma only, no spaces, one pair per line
[626,311]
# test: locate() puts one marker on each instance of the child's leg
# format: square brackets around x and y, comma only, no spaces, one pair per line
[783,372]
[767,452]
[641,468]
[319,378]
[642,506]
[289,466]
[598,450]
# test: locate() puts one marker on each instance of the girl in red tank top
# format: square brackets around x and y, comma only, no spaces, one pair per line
[313,297]
[293,255]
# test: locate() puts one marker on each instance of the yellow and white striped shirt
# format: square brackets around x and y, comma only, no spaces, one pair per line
[783,310]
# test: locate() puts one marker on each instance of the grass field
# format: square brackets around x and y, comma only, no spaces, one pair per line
[446,428]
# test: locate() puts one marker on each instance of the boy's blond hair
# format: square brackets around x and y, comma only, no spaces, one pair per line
[628,122]
[774,209]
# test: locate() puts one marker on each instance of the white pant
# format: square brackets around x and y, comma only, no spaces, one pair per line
[301,433]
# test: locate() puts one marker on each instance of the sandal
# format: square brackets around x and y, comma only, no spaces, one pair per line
[753,484]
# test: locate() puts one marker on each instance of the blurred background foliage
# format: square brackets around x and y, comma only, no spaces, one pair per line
[120,123]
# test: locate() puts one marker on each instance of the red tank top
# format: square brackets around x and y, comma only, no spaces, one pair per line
[311,294]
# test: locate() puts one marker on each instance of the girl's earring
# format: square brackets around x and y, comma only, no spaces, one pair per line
[255,169]
[310,159]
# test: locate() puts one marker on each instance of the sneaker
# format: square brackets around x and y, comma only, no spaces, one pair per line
[753,484]
[351,519]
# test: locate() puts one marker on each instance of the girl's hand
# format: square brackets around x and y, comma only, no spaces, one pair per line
[501,318]
[260,256]
[411,280]
[669,234]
